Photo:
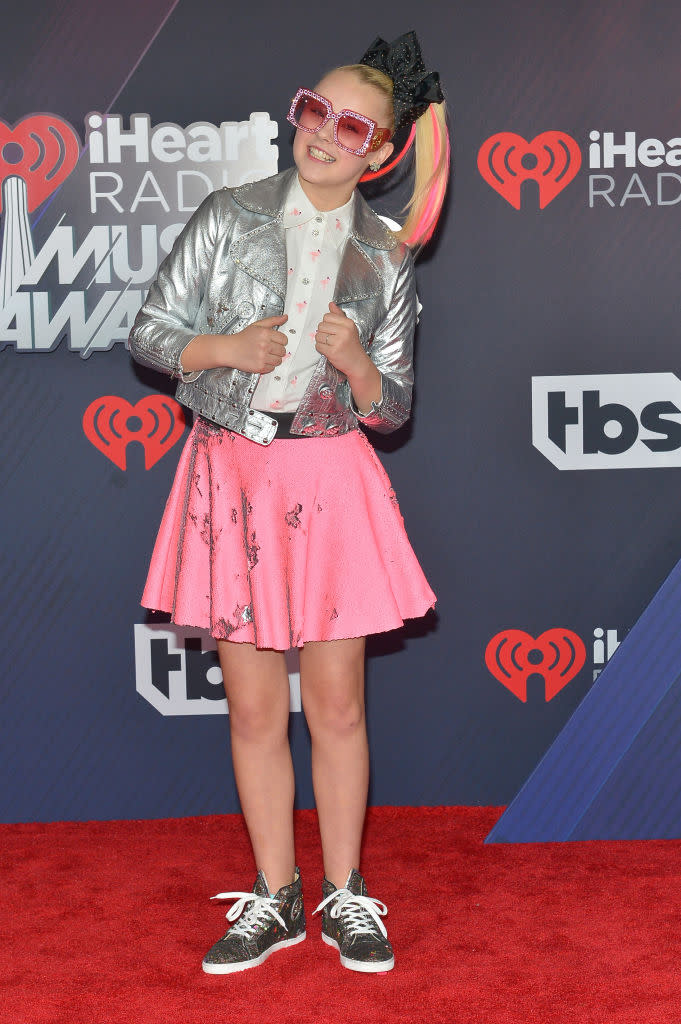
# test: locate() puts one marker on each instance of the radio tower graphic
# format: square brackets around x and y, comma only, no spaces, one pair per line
[36,157]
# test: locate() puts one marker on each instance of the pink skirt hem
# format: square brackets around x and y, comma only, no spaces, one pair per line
[299,541]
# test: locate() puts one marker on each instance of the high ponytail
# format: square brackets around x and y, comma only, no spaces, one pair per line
[431,175]
[430,162]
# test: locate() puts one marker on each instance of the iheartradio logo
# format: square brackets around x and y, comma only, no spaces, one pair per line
[507,160]
[111,423]
[82,282]
[512,656]
[41,150]
[36,157]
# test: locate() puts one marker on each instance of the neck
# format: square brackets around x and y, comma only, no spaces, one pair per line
[326,197]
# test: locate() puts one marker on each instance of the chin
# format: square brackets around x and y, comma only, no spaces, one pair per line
[322,174]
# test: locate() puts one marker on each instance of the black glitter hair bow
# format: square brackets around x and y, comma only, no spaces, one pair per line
[414,88]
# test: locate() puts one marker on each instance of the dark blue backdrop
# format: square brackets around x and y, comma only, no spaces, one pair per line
[507,540]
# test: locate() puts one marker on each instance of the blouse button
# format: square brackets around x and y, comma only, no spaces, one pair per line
[319,219]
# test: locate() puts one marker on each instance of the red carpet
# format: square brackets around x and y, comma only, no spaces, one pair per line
[107,922]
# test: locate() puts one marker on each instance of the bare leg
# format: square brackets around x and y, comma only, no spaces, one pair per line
[256,685]
[332,693]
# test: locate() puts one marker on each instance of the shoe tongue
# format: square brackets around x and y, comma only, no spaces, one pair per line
[260,886]
[356,883]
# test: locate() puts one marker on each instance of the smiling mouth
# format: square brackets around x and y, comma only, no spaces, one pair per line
[319,154]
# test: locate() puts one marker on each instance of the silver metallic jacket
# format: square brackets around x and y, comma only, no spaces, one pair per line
[228,269]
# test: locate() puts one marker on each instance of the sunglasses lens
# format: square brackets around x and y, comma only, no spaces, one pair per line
[309,113]
[352,133]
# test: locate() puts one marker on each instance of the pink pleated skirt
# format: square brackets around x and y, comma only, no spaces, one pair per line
[297,541]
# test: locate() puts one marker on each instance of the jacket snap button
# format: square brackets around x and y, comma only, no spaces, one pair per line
[325,391]
[245,308]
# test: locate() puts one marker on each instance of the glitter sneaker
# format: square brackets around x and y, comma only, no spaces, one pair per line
[351,923]
[270,923]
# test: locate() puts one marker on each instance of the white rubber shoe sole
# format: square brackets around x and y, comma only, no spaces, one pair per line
[359,965]
[232,968]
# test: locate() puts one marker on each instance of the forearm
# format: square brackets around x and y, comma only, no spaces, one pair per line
[205,352]
[164,325]
[365,385]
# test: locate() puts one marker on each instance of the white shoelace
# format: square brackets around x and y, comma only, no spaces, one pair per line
[355,910]
[257,914]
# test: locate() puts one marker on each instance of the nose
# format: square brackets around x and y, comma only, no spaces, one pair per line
[325,133]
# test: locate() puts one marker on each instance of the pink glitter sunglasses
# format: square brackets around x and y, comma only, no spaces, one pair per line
[352,132]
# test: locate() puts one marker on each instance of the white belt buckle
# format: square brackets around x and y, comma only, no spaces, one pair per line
[259,427]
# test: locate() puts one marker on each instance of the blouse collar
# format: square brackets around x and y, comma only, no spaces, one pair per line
[298,209]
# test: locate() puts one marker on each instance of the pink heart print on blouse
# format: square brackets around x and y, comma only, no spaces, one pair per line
[42,150]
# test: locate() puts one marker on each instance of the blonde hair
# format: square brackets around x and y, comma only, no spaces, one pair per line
[430,163]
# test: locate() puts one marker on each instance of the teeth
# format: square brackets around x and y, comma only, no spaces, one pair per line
[321,155]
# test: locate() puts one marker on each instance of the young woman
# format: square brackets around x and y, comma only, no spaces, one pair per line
[286,309]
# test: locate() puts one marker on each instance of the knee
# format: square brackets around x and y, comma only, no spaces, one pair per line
[255,720]
[339,714]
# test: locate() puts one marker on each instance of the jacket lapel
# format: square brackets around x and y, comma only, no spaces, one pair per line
[357,276]
[261,253]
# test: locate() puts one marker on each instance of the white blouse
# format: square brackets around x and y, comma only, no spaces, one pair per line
[315,240]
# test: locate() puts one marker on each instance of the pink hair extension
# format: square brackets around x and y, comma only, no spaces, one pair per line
[428,219]
[371,175]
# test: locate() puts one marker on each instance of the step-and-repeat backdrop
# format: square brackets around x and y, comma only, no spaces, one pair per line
[539,475]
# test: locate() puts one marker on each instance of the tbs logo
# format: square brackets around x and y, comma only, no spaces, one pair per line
[608,421]
[178,673]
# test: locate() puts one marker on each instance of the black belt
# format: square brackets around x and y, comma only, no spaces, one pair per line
[284,419]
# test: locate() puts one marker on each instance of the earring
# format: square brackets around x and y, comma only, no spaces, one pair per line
[374,166]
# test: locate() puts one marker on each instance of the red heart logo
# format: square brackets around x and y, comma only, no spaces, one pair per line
[557,655]
[43,150]
[111,423]
[506,160]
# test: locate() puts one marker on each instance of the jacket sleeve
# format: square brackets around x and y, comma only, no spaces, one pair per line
[391,351]
[163,326]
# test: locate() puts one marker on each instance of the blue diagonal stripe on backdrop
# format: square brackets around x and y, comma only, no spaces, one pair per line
[75,57]
[614,771]
[96,75]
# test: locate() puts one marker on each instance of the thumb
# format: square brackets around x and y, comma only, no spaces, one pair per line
[335,309]
[273,321]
